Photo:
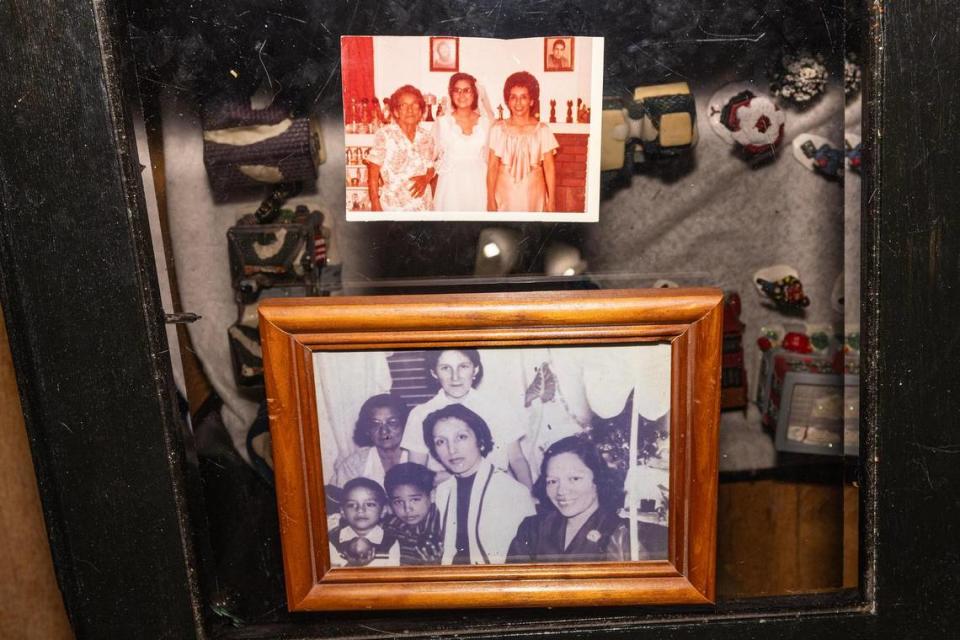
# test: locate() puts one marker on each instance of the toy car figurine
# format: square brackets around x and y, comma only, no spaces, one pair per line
[659,123]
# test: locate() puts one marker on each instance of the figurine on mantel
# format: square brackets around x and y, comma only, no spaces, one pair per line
[583,112]
[553,112]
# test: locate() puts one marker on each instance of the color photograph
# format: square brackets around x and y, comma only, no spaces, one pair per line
[444,128]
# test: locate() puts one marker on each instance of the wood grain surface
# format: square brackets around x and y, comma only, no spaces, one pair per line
[32,607]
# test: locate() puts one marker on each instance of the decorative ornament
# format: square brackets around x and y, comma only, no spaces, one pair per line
[781,285]
[797,342]
[854,152]
[593,535]
[658,124]
[818,155]
[800,78]
[543,387]
[786,293]
[820,341]
[751,122]
[851,75]
[755,123]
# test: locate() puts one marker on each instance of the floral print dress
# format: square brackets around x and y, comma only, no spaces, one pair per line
[400,160]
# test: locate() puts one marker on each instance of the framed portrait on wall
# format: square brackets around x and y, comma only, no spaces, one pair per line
[444,53]
[495,449]
[558,53]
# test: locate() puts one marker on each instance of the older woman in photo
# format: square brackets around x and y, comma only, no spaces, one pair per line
[378,433]
[480,506]
[461,138]
[400,162]
[520,168]
[459,371]
[580,498]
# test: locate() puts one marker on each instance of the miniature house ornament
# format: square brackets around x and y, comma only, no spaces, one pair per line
[659,123]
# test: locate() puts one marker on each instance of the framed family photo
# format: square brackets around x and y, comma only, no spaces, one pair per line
[479,450]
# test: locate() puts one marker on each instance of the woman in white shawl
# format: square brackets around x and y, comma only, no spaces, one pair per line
[480,506]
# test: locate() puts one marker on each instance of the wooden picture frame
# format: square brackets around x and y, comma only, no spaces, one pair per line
[562,62]
[689,321]
[438,62]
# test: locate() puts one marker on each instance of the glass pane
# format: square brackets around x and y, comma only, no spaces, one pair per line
[678,145]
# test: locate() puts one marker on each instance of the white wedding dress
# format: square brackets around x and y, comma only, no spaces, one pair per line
[461,165]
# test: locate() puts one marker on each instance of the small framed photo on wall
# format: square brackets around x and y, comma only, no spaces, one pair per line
[444,53]
[558,53]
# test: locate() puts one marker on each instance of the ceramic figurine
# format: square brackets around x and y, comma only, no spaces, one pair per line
[660,123]
[553,111]
[786,293]
[800,78]
[241,152]
[733,375]
[854,152]
[755,124]
[818,155]
[387,116]
[569,111]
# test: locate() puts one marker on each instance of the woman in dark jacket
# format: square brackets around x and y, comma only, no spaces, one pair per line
[579,499]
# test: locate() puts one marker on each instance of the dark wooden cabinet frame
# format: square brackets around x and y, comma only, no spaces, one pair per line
[82,306]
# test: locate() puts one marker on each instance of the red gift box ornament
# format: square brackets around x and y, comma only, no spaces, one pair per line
[797,342]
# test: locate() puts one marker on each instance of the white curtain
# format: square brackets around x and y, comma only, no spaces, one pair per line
[344,382]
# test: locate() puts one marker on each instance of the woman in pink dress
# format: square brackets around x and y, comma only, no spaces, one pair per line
[520,167]
[400,163]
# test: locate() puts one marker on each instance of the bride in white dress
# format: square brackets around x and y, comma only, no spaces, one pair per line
[461,141]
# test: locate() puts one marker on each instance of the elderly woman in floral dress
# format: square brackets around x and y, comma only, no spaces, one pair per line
[400,163]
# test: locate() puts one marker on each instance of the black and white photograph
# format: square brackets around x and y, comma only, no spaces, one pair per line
[444,128]
[464,456]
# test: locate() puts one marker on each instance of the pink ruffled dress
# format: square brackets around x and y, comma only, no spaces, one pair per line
[520,183]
